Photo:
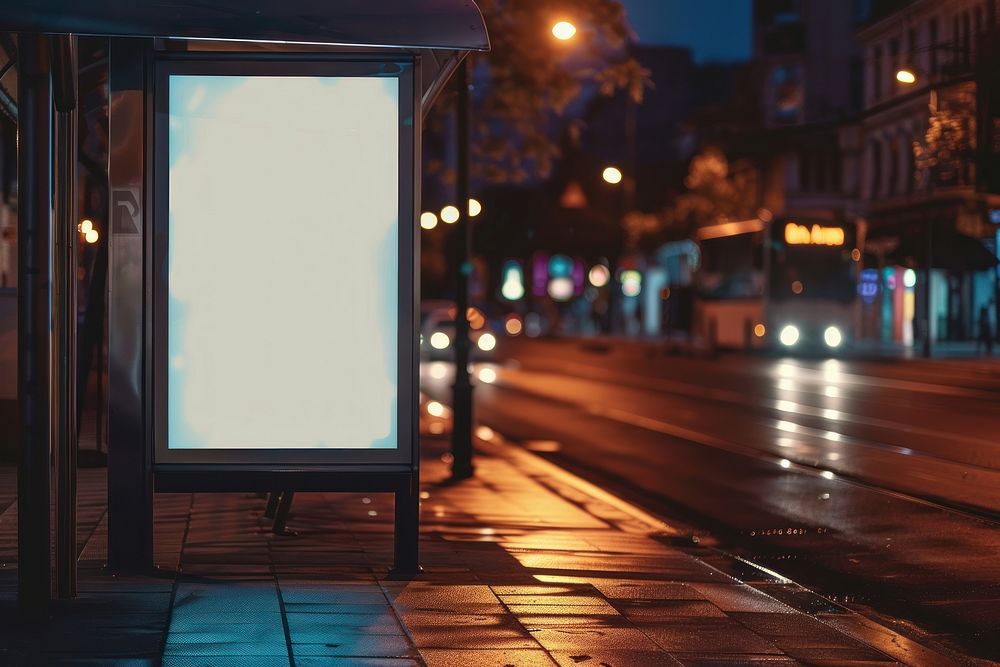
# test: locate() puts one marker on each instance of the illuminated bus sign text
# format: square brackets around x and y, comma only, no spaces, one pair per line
[796,234]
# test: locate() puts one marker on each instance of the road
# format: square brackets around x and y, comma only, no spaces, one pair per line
[875,483]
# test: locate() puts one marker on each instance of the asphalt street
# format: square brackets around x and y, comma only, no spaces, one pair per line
[877,483]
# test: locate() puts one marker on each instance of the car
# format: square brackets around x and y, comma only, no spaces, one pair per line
[437,333]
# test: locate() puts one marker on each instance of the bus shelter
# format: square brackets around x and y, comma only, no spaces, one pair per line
[245,138]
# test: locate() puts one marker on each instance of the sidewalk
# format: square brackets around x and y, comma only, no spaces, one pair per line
[523,565]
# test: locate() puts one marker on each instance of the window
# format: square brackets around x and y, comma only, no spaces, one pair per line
[893,180]
[877,74]
[876,180]
[933,30]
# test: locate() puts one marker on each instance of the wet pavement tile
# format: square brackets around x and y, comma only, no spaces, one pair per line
[357,645]
[738,597]
[237,633]
[715,660]
[574,637]
[449,618]
[335,661]
[795,630]
[565,610]
[720,635]
[335,608]
[651,610]
[533,621]
[302,627]
[247,650]
[508,636]
[648,591]
[224,661]
[840,656]
[561,600]
[613,658]
[487,658]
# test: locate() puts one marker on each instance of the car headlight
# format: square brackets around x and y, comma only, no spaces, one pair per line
[487,342]
[789,335]
[833,337]
[440,340]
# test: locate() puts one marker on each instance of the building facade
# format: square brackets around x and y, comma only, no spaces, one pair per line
[923,186]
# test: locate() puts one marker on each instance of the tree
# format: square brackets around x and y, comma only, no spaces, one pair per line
[714,192]
[530,80]
[948,149]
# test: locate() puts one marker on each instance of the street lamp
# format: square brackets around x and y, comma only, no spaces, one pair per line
[906,75]
[612,175]
[563,31]
[428,220]
[450,214]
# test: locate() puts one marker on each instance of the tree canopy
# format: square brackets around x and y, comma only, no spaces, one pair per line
[526,86]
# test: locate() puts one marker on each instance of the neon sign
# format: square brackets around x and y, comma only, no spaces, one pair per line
[796,234]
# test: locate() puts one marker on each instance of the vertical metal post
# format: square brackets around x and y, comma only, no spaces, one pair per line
[130,477]
[928,300]
[64,313]
[406,545]
[461,434]
[34,182]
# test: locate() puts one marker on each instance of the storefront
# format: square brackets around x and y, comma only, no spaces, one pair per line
[957,244]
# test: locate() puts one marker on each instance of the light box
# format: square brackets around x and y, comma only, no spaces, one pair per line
[285,292]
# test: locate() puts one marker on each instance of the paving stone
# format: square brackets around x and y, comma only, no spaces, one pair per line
[613,658]
[747,660]
[224,661]
[486,658]
[573,637]
[507,636]
[334,661]
[722,635]
[358,645]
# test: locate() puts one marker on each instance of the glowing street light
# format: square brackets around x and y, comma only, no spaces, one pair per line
[450,214]
[612,175]
[428,220]
[85,226]
[475,208]
[564,31]
[91,236]
[906,76]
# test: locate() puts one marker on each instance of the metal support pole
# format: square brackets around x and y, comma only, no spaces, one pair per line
[461,434]
[34,176]
[130,473]
[64,313]
[406,547]
[281,514]
[272,504]
[928,342]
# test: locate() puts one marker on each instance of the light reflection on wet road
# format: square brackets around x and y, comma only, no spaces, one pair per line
[872,482]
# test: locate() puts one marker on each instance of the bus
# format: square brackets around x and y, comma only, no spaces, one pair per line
[787,284]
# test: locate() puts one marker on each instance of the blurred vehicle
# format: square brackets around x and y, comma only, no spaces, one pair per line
[787,284]
[437,332]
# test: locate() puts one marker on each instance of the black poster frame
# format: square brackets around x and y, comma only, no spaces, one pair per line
[238,469]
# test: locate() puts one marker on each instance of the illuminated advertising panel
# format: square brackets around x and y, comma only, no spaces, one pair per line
[286,307]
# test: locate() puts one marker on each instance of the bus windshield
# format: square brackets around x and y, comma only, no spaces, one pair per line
[813,270]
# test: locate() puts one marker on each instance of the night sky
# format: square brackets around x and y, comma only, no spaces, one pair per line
[715,30]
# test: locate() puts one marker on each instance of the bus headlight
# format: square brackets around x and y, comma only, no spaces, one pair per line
[833,337]
[789,335]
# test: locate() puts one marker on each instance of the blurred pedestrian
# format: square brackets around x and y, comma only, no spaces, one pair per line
[985,331]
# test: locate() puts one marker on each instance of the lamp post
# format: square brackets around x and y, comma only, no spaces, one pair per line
[462,419]
[462,413]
